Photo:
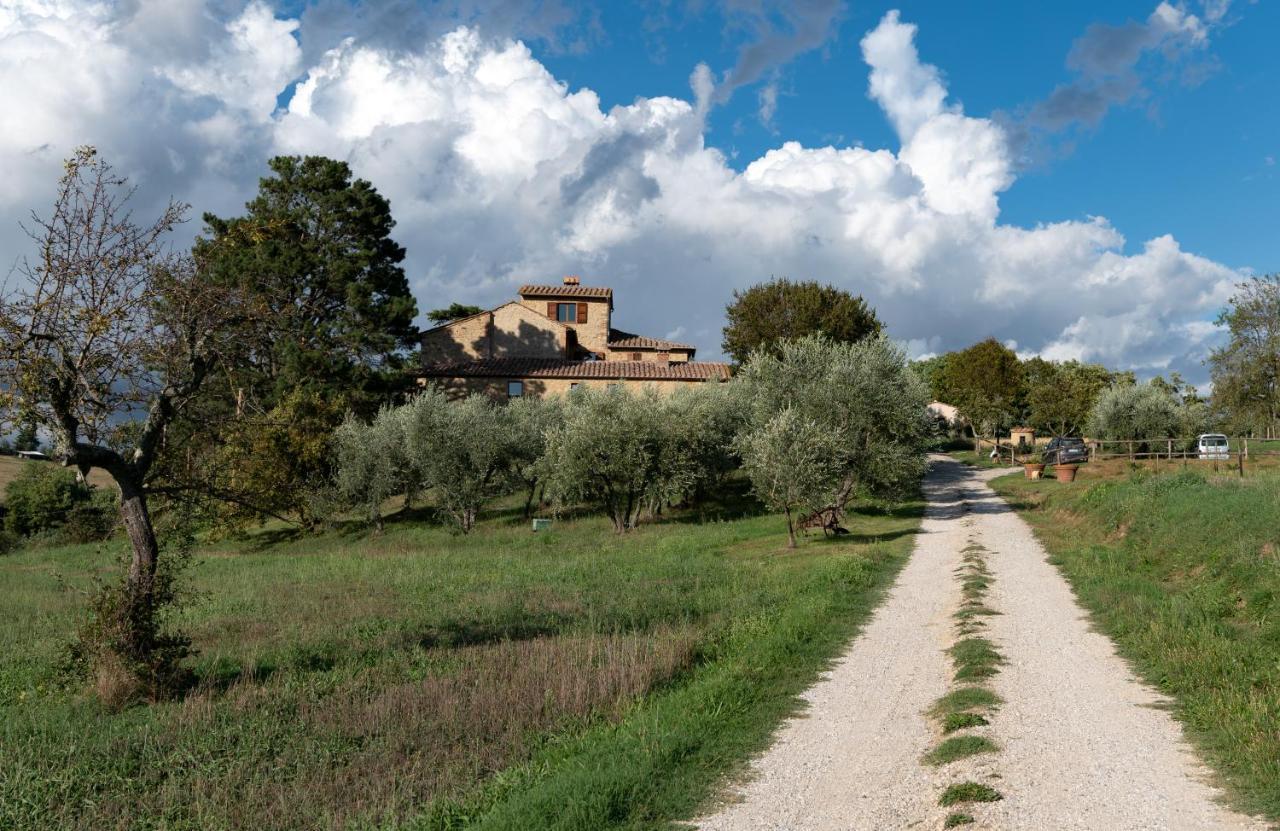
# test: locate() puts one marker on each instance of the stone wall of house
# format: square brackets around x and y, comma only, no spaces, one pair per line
[512,330]
[466,339]
[592,335]
[520,332]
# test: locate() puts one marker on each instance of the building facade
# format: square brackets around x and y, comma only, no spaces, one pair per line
[550,340]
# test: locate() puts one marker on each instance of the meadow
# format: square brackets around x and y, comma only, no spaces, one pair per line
[11,467]
[1181,569]
[570,679]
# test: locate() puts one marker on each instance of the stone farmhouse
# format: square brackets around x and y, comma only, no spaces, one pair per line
[550,340]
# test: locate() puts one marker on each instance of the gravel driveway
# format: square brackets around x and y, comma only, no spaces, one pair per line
[1083,744]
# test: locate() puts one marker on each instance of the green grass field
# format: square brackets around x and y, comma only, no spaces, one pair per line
[572,679]
[1182,570]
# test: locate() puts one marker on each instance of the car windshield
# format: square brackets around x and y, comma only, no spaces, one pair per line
[1214,441]
[1073,442]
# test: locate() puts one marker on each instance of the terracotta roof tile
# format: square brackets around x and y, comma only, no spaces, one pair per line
[564,368]
[566,291]
[624,340]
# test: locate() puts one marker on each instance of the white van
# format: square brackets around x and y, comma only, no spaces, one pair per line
[1212,446]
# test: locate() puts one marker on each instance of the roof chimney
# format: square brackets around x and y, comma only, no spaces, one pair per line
[571,280]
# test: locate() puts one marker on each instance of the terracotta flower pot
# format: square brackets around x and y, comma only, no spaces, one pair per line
[1032,470]
[1066,473]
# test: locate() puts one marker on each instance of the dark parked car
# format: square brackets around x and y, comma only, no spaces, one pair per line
[1065,451]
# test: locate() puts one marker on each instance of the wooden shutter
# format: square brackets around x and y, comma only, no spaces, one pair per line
[551,310]
[582,313]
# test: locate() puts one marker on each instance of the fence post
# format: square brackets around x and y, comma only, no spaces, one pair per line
[1170,449]
[1240,463]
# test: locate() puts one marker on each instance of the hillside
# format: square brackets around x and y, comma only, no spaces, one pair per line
[11,467]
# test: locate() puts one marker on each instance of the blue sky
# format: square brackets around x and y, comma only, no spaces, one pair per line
[1190,159]
[1077,180]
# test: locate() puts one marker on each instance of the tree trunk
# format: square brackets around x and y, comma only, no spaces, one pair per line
[146,551]
[791,530]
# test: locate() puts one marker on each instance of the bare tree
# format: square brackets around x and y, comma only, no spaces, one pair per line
[104,339]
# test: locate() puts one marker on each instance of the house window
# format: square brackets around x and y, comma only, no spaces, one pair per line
[636,356]
[515,389]
[574,385]
[567,312]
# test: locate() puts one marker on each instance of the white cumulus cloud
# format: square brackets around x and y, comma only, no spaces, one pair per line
[500,173]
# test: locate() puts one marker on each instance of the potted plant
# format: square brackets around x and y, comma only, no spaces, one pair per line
[1032,467]
[1066,473]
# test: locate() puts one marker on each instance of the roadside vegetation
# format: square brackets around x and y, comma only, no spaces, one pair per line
[961,714]
[1181,570]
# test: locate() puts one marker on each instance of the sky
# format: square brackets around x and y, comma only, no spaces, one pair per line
[1085,180]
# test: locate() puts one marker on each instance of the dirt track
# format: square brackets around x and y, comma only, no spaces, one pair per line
[1083,745]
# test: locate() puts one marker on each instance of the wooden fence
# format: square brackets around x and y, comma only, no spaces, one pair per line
[1158,452]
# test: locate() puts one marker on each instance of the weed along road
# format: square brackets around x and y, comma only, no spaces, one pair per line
[978,697]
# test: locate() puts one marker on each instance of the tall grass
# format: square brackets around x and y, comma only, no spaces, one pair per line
[1181,570]
[571,679]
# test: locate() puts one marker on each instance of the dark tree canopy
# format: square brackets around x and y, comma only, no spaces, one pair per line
[332,330]
[1246,371]
[986,383]
[1060,397]
[767,314]
[28,438]
[323,266]
[453,312]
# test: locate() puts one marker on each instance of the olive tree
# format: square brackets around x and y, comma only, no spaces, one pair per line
[792,463]
[461,449]
[864,395]
[1135,411]
[105,339]
[370,461]
[613,448]
[702,421]
[527,422]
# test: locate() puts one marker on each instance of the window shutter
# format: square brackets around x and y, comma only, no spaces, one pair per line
[551,310]
[582,312]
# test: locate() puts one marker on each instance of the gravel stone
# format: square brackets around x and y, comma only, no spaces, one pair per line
[1083,744]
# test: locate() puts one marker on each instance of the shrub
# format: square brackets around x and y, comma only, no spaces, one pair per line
[128,651]
[94,520]
[41,498]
